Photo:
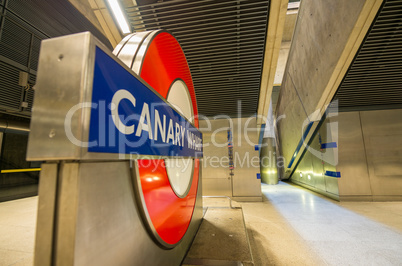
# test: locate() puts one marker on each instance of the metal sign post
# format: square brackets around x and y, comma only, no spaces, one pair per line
[109,192]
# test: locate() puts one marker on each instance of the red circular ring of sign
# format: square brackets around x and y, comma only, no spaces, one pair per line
[160,61]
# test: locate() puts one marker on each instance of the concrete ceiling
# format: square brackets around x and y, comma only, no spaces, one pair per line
[224,42]
[232,46]
[256,78]
[373,80]
[98,13]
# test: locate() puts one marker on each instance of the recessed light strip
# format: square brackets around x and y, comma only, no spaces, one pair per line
[119,16]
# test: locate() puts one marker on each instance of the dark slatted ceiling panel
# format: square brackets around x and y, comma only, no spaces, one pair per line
[54,18]
[23,25]
[224,44]
[374,80]
[10,91]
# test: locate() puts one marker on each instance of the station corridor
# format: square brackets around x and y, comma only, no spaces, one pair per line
[295,226]
[292,226]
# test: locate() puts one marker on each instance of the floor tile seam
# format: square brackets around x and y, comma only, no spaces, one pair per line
[3,227]
[346,232]
[18,261]
[16,225]
[297,235]
[259,217]
[316,252]
[395,213]
[386,226]
[320,253]
[377,220]
[246,205]
[312,252]
[15,250]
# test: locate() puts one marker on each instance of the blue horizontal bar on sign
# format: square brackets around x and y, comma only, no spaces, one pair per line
[329,145]
[333,174]
[300,144]
[128,117]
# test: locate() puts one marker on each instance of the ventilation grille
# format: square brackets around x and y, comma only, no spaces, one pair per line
[54,18]
[224,44]
[24,25]
[35,53]
[10,91]
[15,43]
[374,79]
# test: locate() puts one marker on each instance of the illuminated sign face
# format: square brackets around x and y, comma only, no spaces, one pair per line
[154,114]
[141,121]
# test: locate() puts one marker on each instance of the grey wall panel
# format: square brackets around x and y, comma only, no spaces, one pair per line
[329,133]
[311,170]
[370,158]
[268,168]
[318,167]
[304,170]
[382,131]
[245,137]
[331,185]
[217,186]
[216,176]
[352,157]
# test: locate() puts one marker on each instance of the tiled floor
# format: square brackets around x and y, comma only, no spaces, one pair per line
[293,226]
[222,237]
[17,231]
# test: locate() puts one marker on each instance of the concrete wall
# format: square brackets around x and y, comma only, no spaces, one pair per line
[268,169]
[326,37]
[370,156]
[243,185]
[310,172]
[215,176]
[246,186]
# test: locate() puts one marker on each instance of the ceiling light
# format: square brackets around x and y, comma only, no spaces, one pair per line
[119,16]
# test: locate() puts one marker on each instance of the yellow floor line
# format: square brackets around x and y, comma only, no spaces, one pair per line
[20,170]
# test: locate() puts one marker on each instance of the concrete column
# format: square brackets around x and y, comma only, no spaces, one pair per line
[268,166]
[268,169]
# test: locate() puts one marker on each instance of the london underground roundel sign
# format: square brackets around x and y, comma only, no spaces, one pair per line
[167,188]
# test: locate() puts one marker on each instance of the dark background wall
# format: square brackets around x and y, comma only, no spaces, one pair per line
[23,25]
